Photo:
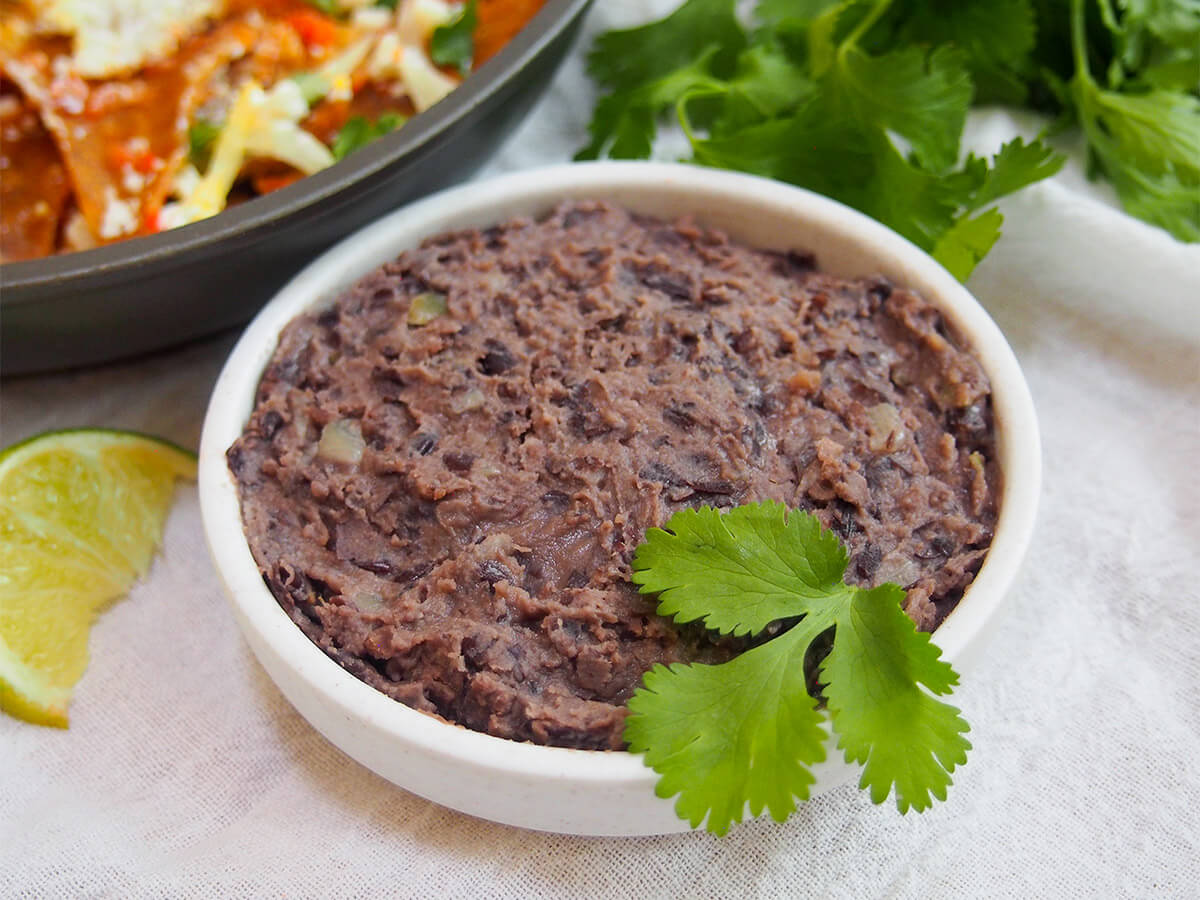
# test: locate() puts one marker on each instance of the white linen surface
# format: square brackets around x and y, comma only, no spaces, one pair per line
[186,774]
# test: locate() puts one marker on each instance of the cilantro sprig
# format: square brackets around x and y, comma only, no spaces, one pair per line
[358,132]
[865,101]
[453,44]
[1143,129]
[813,98]
[744,734]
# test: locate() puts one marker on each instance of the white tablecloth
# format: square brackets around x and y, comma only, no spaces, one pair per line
[186,774]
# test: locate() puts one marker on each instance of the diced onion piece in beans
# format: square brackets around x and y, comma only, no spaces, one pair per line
[472,399]
[426,307]
[884,426]
[341,441]
[898,569]
[368,601]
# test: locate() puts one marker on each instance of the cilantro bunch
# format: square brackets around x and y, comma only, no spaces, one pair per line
[1135,92]
[865,101]
[745,733]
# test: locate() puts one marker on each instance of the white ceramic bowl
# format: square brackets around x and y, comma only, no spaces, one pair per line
[548,788]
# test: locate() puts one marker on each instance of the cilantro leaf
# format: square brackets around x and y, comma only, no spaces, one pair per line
[741,735]
[1146,142]
[624,60]
[804,11]
[766,82]
[967,242]
[903,736]
[862,168]
[924,99]
[358,132]
[453,44]
[996,38]
[724,737]
[1016,165]
[823,96]
[650,68]
[738,571]
[624,123]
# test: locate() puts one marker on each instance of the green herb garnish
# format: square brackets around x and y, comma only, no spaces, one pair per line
[865,101]
[745,732]
[201,135]
[329,7]
[358,132]
[811,98]
[1143,131]
[453,44]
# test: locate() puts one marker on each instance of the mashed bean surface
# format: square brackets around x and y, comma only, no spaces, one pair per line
[447,502]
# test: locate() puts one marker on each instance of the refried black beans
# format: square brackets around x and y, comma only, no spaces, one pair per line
[447,472]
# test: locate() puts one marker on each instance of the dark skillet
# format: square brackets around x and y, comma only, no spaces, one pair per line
[153,292]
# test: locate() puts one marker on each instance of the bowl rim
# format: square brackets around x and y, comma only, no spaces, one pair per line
[253,220]
[322,280]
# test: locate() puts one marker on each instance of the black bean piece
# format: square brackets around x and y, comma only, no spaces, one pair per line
[675,285]
[971,420]
[679,416]
[270,424]
[492,571]
[843,523]
[410,576]
[376,566]
[236,460]
[497,360]
[556,500]
[939,548]
[880,289]
[662,473]
[712,486]
[458,462]
[424,443]
[867,561]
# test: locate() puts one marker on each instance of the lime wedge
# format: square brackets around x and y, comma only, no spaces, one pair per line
[81,514]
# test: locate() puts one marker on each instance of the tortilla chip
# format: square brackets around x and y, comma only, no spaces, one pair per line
[33,181]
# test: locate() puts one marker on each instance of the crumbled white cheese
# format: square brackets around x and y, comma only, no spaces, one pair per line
[371,18]
[76,234]
[115,36]
[132,180]
[119,217]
